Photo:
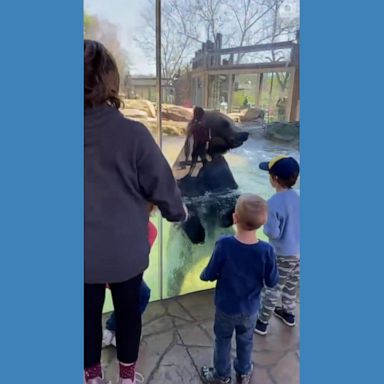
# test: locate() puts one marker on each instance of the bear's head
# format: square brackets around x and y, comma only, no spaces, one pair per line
[220,130]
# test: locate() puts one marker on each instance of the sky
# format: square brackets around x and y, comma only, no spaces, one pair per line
[126,15]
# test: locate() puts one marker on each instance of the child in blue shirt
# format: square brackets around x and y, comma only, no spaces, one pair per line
[283,231]
[242,265]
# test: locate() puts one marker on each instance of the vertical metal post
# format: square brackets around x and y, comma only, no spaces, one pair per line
[159,127]
[158,73]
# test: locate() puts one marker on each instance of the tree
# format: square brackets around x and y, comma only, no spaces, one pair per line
[178,36]
[108,34]
[188,23]
[212,16]
[276,27]
[87,23]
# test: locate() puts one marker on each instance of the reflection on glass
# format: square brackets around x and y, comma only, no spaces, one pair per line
[245,91]
[218,89]
[275,95]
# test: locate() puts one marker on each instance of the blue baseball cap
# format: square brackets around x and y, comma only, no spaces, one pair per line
[283,167]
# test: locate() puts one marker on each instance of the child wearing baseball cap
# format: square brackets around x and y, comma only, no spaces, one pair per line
[283,231]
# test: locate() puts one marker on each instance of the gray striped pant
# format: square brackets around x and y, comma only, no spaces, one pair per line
[289,275]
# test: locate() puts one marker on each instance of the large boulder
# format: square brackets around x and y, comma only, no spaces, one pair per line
[251,114]
[176,113]
[171,128]
[134,113]
[283,131]
[141,105]
[150,123]
[236,117]
[174,128]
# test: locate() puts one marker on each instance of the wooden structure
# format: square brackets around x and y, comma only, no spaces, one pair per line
[227,64]
[144,87]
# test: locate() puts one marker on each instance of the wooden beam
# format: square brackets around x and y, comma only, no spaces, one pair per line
[296,84]
[255,48]
[276,64]
[251,70]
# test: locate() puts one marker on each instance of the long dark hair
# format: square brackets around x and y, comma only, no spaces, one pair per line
[101,76]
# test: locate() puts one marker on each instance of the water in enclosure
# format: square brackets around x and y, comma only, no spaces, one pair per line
[183,260]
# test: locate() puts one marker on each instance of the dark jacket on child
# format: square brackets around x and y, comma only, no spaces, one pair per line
[123,170]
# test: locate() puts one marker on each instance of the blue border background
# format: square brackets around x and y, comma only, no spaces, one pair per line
[41,202]
[342,196]
[41,193]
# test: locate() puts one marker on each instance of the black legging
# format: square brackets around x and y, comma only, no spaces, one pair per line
[126,302]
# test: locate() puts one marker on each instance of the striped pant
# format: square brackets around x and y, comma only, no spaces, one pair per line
[289,275]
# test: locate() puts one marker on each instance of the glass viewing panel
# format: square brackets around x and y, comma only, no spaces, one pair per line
[239,92]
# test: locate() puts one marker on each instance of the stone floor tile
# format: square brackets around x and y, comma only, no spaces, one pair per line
[201,356]
[152,350]
[267,358]
[204,356]
[200,308]
[154,311]
[287,371]
[178,339]
[261,376]
[162,324]
[175,310]
[176,367]
[195,336]
[279,337]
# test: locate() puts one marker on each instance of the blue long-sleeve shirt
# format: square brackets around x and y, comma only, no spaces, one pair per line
[283,226]
[241,270]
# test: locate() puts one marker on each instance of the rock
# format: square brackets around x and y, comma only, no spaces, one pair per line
[174,128]
[176,113]
[150,123]
[283,131]
[171,128]
[134,113]
[174,118]
[236,117]
[251,114]
[141,105]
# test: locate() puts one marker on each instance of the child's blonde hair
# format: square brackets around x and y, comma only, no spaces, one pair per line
[251,212]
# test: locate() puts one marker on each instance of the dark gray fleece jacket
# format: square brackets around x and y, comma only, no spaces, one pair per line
[123,170]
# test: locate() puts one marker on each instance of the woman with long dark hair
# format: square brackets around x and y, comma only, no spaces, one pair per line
[124,169]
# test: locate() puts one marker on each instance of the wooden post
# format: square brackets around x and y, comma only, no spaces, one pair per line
[230,91]
[295,61]
[259,90]
[205,89]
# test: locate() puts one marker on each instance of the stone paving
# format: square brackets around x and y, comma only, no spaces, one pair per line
[178,339]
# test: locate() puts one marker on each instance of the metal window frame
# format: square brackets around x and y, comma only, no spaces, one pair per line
[159,132]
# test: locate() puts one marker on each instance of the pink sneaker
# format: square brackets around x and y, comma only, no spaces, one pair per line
[139,378]
[97,380]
